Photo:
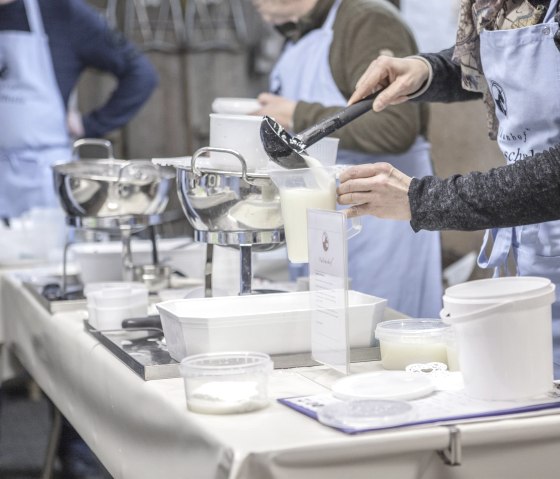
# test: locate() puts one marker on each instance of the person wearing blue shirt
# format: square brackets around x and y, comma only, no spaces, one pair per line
[44,48]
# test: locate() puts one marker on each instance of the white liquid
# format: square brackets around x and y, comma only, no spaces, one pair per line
[296,201]
[399,355]
[226,397]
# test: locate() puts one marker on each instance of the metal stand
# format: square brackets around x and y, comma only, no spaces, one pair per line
[245,241]
[52,447]
[126,226]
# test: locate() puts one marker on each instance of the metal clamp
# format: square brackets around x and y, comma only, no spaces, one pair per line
[452,454]
[93,142]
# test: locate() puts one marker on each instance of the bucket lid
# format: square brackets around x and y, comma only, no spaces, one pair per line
[411,330]
[498,289]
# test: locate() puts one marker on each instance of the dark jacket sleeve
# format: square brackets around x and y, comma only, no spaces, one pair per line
[446,83]
[101,48]
[522,193]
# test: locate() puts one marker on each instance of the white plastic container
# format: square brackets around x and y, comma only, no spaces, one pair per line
[102,261]
[407,341]
[503,331]
[271,323]
[226,383]
[109,303]
[242,134]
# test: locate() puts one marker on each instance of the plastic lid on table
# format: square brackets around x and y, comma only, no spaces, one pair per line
[396,385]
[411,330]
[365,414]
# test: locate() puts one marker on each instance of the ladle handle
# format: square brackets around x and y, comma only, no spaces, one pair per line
[338,120]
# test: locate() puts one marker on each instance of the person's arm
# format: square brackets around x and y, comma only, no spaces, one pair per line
[97,46]
[525,192]
[445,85]
[362,30]
[522,193]
[429,77]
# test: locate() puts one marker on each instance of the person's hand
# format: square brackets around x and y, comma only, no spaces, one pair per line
[376,189]
[400,77]
[75,124]
[277,107]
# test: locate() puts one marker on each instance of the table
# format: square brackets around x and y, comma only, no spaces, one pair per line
[143,429]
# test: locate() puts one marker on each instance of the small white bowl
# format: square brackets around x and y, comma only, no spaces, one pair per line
[239,106]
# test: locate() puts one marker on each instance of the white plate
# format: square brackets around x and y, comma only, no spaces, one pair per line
[238,106]
[383,385]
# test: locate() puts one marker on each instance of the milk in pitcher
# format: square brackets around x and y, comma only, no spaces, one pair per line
[295,203]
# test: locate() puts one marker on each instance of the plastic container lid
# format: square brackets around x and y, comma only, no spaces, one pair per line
[225,364]
[365,414]
[498,289]
[411,330]
[383,385]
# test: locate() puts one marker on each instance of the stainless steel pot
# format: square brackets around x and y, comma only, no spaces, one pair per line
[110,187]
[230,205]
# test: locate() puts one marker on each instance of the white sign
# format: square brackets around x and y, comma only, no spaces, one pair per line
[328,280]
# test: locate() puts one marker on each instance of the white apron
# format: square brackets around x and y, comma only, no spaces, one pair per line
[387,258]
[35,134]
[522,68]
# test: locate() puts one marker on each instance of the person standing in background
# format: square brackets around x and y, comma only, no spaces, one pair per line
[329,44]
[44,48]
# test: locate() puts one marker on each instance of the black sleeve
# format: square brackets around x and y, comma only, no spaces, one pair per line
[525,192]
[446,83]
[101,48]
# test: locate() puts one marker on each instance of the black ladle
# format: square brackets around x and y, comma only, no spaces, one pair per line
[287,150]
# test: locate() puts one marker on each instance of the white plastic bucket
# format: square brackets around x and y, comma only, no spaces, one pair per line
[504,335]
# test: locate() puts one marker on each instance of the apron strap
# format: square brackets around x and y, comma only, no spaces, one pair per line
[34,16]
[502,242]
[551,11]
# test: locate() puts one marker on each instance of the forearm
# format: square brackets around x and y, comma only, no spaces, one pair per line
[526,192]
[96,46]
[133,90]
[445,86]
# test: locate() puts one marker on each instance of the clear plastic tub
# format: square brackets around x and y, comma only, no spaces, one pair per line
[109,303]
[407,341]
[226,383]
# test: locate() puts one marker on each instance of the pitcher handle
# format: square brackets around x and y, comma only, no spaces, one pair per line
[354,228]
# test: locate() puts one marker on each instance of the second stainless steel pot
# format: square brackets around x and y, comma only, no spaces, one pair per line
[110,187]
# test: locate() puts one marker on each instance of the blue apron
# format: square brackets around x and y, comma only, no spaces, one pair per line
[35,136]
[522,68]
[387,259]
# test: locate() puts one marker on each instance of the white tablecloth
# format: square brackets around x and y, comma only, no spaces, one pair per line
[143,429]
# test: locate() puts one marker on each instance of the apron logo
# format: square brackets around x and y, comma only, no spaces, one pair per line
[325,241]
[499,96]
